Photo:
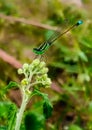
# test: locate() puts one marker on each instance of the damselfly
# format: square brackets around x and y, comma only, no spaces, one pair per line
[44,46]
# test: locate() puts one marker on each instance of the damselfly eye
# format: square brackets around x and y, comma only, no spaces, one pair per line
[79,22]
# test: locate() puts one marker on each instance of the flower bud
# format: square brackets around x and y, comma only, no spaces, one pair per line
[25,66]
[48,81]
[44,70]
[24,82]
[44,77]
[35,62]
[42,64]
[20,71]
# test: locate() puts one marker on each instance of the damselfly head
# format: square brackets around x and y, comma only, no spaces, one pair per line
[79,22]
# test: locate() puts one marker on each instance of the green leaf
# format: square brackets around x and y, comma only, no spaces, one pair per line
[83,56]
[86,41]
[10,85]
[90,108]
[12,110]
[3,109]
[33,121]
[47,106]
[7,112]
[47,109]
[3,128]
[74,127]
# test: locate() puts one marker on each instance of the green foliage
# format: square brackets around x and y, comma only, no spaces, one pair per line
[7,114]
[47,106]
[12,110]
[3,109]
[11,85]
[47,109]
[3,128]
[7,8]
[34,121]
[74,127]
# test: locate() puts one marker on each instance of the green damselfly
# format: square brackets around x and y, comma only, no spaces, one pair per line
[44,46]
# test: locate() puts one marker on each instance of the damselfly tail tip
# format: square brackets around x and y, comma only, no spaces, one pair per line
[79,22]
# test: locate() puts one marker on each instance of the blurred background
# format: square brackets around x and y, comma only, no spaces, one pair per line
[25,24]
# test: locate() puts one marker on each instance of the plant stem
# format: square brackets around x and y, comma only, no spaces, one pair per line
[20,113]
